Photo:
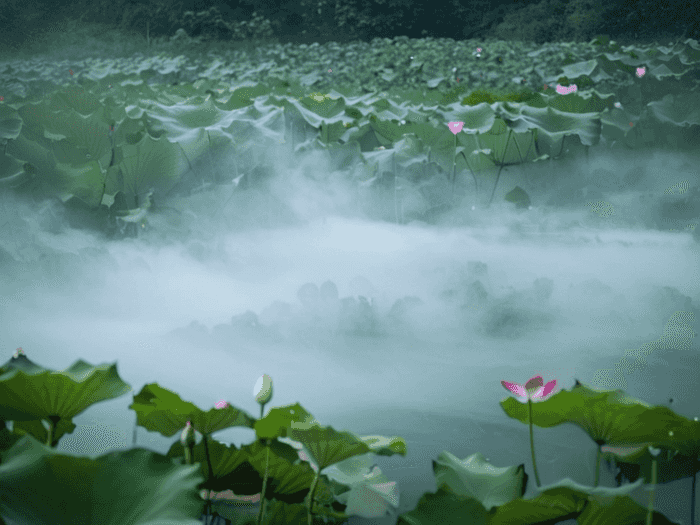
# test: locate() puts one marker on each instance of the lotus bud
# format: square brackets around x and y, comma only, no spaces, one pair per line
[18,353]
[187,437]
[263,389]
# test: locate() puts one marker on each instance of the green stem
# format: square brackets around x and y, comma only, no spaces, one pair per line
[650,510]
[264,486]
[532,443]
[210,470]
[49,434]
[598,457]
[692,488]
[396,197]
[454,173]
[505,149]
[310,496]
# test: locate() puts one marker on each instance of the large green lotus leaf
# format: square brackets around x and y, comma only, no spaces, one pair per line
[474,477]
[63,393]
[37,429]
[161,410]
[671,466]
[444,507]
[477,119]
[387,109]
[344,156]
[150,163]
[229,467]
[568,499]
[326,446]
[580,103]
[39,164]
[287,481]
[39,486]
[36,118]
[355,481]
[681,111]
[371,494]
[615,125]
[507,147]
[555,124]
[75,98]
[278,420]
[329,133]
[241,471]
[12,172]
[323,105]
[613,418]
[243,96]
[595,69]
[84,138]
[252,128]
[10,124]
[86,182]
[380,161]
[440,143]
[177,119]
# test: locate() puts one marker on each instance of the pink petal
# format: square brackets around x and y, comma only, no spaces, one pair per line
[514,388]
[549,387]
[537,393]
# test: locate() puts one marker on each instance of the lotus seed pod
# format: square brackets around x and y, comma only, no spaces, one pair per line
[263,389]
[187,436]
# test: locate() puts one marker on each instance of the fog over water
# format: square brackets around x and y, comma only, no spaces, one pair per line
[502,294]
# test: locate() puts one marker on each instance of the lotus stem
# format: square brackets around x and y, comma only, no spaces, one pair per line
[532,443]
[693,489]
[498,176]
[598,456]
[650,510]
[264,485]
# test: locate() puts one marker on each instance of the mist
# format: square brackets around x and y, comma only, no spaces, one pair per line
[227,284]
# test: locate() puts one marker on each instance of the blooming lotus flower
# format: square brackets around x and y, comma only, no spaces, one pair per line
[533,389]
[221,404]
[263,389]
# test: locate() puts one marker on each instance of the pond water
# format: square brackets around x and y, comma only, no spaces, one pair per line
[501,295]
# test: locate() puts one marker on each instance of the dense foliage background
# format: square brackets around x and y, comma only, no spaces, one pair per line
[305,21]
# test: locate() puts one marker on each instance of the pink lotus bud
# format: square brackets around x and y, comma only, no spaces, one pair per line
[187,436]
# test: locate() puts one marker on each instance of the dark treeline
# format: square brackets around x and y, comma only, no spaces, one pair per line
[306,21]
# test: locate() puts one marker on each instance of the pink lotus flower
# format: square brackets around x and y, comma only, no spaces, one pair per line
[534,389]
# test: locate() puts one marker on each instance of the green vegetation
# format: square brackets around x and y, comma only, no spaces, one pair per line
[286,459]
